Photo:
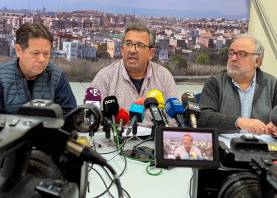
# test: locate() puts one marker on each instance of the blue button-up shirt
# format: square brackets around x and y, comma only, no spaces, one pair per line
[246,97]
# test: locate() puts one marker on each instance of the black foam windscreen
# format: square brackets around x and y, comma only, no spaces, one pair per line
[110,106]
[150,101]
[273,116]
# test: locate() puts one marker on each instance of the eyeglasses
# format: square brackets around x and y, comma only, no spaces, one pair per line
[37,54]
[240,54]
[138,46]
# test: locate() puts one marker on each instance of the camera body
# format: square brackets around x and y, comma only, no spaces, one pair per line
[33,157]
[246,170]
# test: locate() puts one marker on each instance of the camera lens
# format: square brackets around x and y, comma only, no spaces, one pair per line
[240,185]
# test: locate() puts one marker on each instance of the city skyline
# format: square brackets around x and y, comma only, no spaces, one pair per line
[171,8]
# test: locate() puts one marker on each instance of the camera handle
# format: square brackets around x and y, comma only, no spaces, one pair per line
[268,175]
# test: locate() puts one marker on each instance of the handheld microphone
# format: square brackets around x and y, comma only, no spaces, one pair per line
[152,104]
[122,118]
[192,108]
[159,97]
[137,115]
[93,96]
[154,93]
[110,109]
[175,109]
[110,106]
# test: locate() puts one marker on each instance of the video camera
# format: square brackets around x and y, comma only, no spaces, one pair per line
[39,155]
[229,165]
[247,169]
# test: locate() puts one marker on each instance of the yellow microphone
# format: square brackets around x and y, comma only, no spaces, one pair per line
[193,156]
[157,94]
[154,93]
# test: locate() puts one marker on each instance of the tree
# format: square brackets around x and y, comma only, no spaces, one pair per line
[203,59]
[180,61]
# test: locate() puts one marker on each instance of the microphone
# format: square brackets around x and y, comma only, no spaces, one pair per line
[93,96]
[110,110]
[122,118]
[110,106]
[136,112]
[175,109]
[139,101]
[192,108]
[154,93]
[152,104]
[159,97]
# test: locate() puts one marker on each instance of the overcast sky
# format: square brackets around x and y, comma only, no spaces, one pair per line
[228,7]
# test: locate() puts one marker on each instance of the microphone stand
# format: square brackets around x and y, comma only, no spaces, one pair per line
[107,127]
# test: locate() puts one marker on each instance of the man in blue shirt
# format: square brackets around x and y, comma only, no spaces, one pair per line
[31,76]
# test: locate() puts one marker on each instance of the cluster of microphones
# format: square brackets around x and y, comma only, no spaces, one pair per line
[185,112]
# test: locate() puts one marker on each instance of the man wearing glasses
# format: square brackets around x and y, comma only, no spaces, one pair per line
[135,75]
[31,76]
[243,96]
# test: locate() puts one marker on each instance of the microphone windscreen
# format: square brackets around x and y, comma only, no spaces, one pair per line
[273,116]
[150,101]
[93,96]
[138,110]
[139,101]
[173,106]
[110,106]
[122,115]
[188,97]
[154,93]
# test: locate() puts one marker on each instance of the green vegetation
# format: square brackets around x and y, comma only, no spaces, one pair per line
[203,59]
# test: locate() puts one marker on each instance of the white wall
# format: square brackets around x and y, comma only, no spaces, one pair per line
[255,28]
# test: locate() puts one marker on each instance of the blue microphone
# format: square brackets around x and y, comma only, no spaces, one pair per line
[175,109]
[136,112]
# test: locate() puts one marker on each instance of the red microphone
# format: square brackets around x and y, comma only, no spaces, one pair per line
[139,101]
[122,118]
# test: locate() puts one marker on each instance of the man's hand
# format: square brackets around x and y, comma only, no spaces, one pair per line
[272,129]
[252,125]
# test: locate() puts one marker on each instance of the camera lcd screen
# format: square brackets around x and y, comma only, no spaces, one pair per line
[187,147]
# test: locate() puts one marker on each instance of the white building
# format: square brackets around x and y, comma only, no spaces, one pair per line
[71,49]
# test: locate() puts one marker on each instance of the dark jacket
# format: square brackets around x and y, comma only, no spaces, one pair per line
[220,103]
[50,85]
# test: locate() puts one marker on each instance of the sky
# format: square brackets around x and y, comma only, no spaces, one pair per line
[184,8]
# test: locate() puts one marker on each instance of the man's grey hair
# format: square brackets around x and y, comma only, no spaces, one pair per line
[140,27]
[259,47]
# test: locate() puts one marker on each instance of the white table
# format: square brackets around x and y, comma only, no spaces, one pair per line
[170,183]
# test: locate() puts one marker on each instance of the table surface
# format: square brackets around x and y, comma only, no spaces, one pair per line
[174,182]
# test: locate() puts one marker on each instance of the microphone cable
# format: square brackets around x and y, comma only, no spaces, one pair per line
[107,186]
[89,155]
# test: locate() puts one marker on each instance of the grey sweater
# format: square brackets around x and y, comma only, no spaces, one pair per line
[220,103]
